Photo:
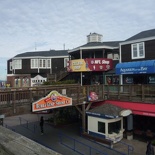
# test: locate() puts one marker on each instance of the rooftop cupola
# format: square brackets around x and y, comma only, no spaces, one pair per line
[94,37]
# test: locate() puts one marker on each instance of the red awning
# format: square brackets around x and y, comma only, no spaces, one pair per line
[143,113]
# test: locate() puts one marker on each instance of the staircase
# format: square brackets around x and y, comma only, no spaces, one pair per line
[57,76]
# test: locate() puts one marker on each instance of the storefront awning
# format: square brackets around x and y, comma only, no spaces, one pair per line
[145,109]
[137,67]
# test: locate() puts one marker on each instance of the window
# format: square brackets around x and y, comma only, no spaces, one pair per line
[113,56]
[41,63]
[138,50]
[34,63]
[110,56]
[44,63]
[17,64]
[109,79]
[116,56]
[10,66]
[114,127]
[101,127]
[48,63]
[65,61]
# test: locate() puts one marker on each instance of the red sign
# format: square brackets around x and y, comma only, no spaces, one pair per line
[52,100]
[99,64]
[88,65]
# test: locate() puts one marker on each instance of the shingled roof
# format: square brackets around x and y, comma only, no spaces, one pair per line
[51,53]
[109,43]
[106,110]
[142,35]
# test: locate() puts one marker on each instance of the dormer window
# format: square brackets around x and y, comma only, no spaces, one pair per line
[138,50]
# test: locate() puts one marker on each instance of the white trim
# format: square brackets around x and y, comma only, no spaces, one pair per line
[137,40]
[120,54]
[40,57]
[80,53]
[120,60]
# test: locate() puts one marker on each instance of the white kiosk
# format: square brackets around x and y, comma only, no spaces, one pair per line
[106,121]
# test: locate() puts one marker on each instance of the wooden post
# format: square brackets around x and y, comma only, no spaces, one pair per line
[83,118]
[14,102]
[31,99]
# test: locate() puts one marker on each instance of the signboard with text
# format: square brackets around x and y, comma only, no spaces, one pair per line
[89,64]
[52,100]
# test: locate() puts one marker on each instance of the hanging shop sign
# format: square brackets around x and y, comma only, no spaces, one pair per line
[88,65]
[52,100]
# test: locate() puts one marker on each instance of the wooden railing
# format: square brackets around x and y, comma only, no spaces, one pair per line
[79,94]
[57,76]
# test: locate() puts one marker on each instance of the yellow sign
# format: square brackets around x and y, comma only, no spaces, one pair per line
[78,65]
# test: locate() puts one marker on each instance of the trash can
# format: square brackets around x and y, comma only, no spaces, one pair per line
[1,119]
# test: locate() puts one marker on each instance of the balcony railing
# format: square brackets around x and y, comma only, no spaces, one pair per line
[79,94]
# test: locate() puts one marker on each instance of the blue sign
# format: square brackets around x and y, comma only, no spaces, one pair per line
[138,67]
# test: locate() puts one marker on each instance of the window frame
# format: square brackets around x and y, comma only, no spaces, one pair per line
[135,50]
[17,64]
[101,127]
[34,63]
[40,63]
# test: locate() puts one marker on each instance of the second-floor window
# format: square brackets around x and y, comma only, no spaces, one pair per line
[138,50]
[65,61]
[41,63]
[113,56]
[10,66]
[17,64]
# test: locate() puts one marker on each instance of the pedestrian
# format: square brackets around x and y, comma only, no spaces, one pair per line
[150,149]
[42,125]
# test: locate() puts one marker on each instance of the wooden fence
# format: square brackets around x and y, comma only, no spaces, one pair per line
[79,94]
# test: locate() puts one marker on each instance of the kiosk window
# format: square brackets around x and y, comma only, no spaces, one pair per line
[101,127]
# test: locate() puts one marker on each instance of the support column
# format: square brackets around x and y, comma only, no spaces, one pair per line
[83,113]
[130,127]
[83,117]
[14,102]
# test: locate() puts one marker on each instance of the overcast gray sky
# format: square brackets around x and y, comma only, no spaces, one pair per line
[29,25]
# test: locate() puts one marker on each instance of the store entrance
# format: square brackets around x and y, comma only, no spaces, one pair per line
[140,79]
[144,128]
